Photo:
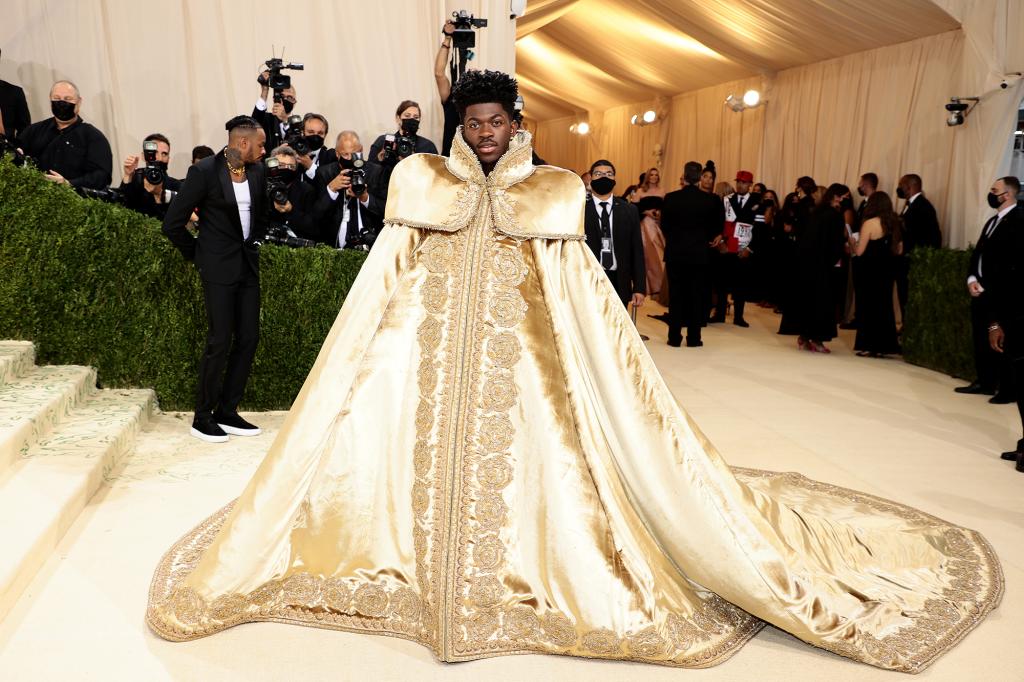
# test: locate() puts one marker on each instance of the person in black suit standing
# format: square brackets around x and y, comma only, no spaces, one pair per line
[744,216]
[920,229]
[692,221]
[14,116]
[228,191]
[1003,291]
[612,226]
[996,236]
[345,220]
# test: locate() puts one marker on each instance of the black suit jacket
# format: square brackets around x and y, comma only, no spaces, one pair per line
[752,213]
[1003,269]
[627,242]
[921,225]
[220,252]
[690,218]
[13,109]
[329,212]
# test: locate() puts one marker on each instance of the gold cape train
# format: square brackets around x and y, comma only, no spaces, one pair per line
[485,460]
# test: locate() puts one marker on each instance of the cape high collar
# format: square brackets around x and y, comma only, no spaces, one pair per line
[514,166]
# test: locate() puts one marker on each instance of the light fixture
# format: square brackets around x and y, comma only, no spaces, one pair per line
[734,103]
[636,117]
[645,118]
[583,128]
[572,128]
[751,98]
[959,109]
[649,116]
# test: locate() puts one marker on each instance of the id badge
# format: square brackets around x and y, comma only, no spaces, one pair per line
[606,244]
[744,232]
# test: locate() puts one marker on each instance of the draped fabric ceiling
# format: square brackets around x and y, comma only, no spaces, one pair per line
[849,86]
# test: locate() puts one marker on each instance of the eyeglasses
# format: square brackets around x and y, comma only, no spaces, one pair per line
[602,174]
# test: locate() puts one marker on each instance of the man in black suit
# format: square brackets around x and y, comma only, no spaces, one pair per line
[996,236]
[692,221]
[296,215]
[745,212]
[345,220]
[14,116]
[1003,291]
[228,192]
[612,226]
[920,229]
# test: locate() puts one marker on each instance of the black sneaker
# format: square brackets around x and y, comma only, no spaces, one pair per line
[208,431]
[235,425]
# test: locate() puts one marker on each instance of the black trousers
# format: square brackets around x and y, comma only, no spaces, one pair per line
[689,300]
[987,362]
[624,295]
[733,275]
[233,316]
[902,284]
[1013,349]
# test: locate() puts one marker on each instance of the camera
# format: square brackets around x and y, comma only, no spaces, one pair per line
[278,81]
[278,234]
[111,195]
[155,171]
[279,180]
[295,137]
[364,240]
[8,147]
[463,37]
[358,177]
[958,110]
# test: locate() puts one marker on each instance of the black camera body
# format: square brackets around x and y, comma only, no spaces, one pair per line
[357,175]
[295,138]
[7,147]
[155,171]
[463,36]
[277,81]
[111,195]
[397,147]
[278,234]
[279,181]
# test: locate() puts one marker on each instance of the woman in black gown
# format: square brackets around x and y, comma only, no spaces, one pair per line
[820,242]
[794,216]
[876,251]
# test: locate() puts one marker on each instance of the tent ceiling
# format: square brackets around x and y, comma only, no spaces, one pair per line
[574,55]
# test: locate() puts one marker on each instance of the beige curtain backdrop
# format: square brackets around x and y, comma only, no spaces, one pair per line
[184,68]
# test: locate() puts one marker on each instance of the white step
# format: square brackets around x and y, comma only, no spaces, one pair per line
[52,483]
[32,404]
[16,358]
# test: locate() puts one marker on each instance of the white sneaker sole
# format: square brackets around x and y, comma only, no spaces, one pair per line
[234,431]
[196,433]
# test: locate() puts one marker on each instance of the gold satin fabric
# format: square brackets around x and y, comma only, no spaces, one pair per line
[485,460]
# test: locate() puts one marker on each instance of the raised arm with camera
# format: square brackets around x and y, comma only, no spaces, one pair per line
[273,115]
[149,189]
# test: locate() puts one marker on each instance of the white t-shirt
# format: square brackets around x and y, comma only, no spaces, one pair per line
[244,201]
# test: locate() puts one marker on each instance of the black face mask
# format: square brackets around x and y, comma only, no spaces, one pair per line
[602,186]
[411,126]
[993,200]
[900,193]
[62,111]
[315,142]
[846,203]
[860,191]
[288,106]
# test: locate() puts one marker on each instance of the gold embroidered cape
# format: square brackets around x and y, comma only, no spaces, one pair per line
[485,460]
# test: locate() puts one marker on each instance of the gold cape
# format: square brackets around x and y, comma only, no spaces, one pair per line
[485,460]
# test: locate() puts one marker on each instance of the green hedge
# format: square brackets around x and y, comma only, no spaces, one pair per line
[937,332]
[97,284]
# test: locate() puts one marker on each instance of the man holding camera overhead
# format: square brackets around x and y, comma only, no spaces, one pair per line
[149,189]
[350,208]
[273,116]
[229,193]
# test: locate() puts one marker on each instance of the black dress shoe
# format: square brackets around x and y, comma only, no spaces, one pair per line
[208,431]
[675,343]
[1020,463]
[694,344]
[974,389]
[661,318]
[741,323]
[1001,399]
[1011,456]
[235,425]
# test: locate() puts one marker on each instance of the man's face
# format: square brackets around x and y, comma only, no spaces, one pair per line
[286,161]
[63,91]
[314,126]
[288,94]
[999,189]
[163,152]
[488,129]
[253,146]
[742,187]
[347,146]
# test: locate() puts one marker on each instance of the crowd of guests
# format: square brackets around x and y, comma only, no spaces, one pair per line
[816,257]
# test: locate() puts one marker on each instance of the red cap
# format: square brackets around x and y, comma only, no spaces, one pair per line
[745,176]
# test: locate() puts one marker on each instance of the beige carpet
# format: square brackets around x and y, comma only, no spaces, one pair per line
[876,425]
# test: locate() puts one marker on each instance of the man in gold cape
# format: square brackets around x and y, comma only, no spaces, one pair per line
[485,460]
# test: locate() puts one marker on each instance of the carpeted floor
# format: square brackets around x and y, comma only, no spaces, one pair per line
[876,425]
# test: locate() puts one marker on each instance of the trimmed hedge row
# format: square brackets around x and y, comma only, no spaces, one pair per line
[937,331]
[97,284]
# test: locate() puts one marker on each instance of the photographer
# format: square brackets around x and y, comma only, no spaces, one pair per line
[445,74]
[308,144]
[274,121]
[406,141]
[148,190]
[66,148]
[296,213]
[350,208]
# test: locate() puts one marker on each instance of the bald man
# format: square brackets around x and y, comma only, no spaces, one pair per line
[66,148]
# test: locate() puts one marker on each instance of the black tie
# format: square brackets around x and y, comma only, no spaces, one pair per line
[606,234]
[990,227]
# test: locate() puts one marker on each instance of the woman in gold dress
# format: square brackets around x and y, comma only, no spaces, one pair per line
[485,460]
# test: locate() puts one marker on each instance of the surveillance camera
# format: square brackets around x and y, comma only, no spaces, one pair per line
[956,105]
[955,119]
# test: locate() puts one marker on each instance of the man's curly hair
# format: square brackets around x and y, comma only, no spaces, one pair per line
[481,87]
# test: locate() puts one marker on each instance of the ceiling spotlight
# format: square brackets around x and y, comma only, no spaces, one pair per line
[734,103]
[958,110]
[583,128]
[635,119]
[649,116]
[572,128]
[751,98]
